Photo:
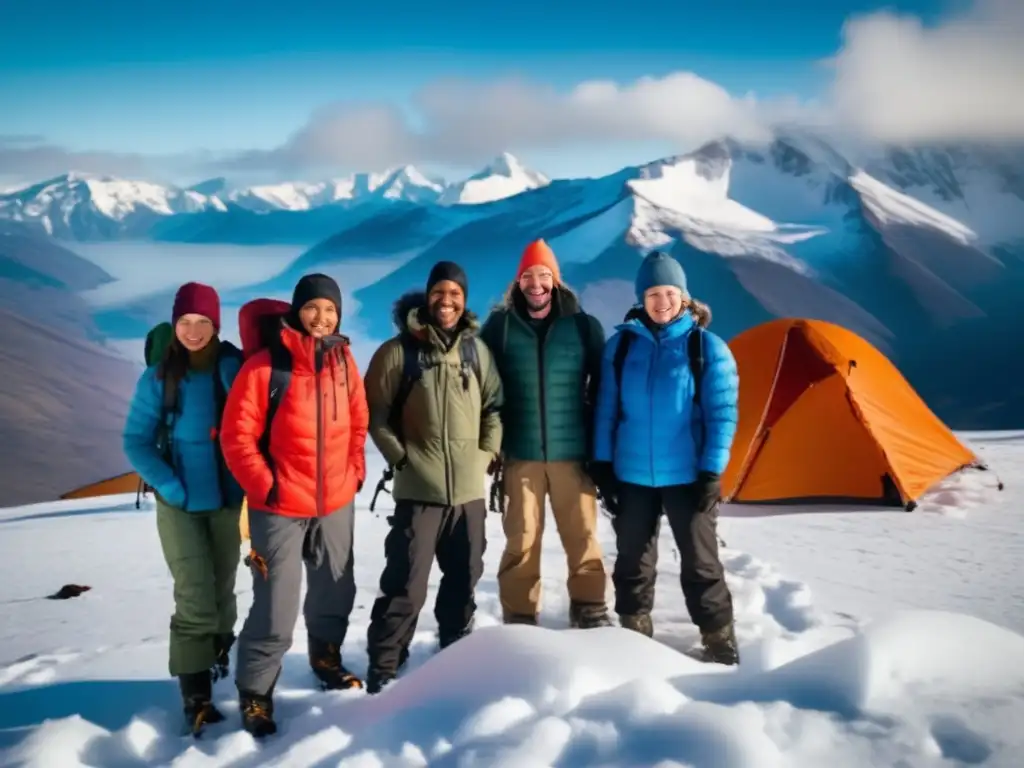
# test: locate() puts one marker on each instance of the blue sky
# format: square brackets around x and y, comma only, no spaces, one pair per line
[172,79]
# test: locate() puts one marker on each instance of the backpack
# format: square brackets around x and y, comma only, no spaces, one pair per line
[694,350]
[259,327]
[157,341]
[412,372]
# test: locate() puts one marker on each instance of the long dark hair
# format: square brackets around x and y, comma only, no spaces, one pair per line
[175,362]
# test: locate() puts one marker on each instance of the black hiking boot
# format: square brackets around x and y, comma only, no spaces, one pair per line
[222,665]
[638,622]
[520,618]
[444,639]
[377,679]
[257,713]
[197,700]
[583,616]
[720,646]
[325,661]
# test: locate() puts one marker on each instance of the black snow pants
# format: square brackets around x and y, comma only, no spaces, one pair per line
[701,574]
[419,532]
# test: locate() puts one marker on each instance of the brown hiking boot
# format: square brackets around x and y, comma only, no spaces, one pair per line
[520,618]
[638,622]
[583,616]
[325,661]
[720,646]
[257,714]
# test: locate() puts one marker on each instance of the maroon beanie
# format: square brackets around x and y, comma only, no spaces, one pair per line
[197,299]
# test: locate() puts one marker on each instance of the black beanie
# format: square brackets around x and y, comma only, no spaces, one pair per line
[316,286]
[448,270]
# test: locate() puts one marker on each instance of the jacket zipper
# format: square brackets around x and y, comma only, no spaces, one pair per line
[448,469]
[540,380]
[650,401]
[319,434]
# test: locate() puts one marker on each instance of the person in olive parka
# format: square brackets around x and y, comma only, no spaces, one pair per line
[439,438]
[548,351]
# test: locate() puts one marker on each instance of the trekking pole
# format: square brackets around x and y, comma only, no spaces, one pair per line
[381,486]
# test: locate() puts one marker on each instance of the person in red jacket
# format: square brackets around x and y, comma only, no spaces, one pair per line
[301,481]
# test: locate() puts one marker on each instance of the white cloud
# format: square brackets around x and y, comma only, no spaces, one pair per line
[468,122]
[899,81]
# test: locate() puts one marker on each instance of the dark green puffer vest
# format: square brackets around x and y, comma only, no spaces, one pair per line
[549,386]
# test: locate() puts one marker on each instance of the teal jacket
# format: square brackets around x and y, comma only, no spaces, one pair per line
[550,384]
[196,480]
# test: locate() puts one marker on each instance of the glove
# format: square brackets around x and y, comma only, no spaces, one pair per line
[708,491]
[602,473]
[494,467]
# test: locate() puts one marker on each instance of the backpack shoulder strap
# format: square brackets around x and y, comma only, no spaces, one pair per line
[280,379]
[618,362]
[695,351]
[469,353]
[412,371]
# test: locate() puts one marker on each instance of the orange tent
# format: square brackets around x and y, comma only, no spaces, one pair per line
[826,417]
[126,483]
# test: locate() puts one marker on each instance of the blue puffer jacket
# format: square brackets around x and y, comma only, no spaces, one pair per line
[194,482]
[656,443]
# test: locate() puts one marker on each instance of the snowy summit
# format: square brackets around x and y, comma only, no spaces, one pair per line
[504,177]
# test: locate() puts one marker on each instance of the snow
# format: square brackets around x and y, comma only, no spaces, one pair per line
[504,177]
[879,638]
[890,205]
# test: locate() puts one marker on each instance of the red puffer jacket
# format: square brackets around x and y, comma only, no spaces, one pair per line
[318,435]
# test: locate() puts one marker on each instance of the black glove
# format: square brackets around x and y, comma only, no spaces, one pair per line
[708,491]
[602,473]
[494,468]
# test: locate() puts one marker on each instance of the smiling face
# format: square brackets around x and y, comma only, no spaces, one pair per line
[663,303]
[446,303]
[194,331]
[537,285]
[319,317]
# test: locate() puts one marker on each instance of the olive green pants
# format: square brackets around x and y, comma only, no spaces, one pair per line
[202,553]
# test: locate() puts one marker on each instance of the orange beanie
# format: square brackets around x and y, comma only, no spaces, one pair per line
[539,254]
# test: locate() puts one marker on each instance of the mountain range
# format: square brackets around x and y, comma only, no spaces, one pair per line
[919,250]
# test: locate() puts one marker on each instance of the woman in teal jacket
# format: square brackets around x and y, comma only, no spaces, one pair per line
[665,419]
[171,439]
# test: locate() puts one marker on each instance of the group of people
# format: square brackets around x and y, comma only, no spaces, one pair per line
[536,398]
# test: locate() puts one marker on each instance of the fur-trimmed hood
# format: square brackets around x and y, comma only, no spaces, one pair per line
[568,302]
[701,313]
[409,314]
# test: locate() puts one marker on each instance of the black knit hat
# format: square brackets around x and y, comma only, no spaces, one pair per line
[316,286]
[448,270]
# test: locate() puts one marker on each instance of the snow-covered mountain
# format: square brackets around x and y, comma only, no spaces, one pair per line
[88,207]
[502,178]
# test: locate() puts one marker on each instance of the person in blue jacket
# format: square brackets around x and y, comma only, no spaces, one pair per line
[171,439]
[660,451]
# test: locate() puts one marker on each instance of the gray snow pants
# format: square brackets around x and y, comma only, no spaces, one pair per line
[280,547]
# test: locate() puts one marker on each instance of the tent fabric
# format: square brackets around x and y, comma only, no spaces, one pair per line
[126,483]
[825,416]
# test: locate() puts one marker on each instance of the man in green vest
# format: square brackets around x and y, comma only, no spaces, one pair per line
[548,353]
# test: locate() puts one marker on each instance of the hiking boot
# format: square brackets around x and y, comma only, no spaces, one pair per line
[720,646]
[638,622]
[444,639]
[377,679]
[197,701]
[520,618]
[257,714]
[325,661]
[582,616]
[222,665]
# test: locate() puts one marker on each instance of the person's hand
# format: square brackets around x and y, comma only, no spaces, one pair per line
[708,490]
[495,466]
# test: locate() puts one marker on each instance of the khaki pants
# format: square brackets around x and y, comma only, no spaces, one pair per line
[528,484]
